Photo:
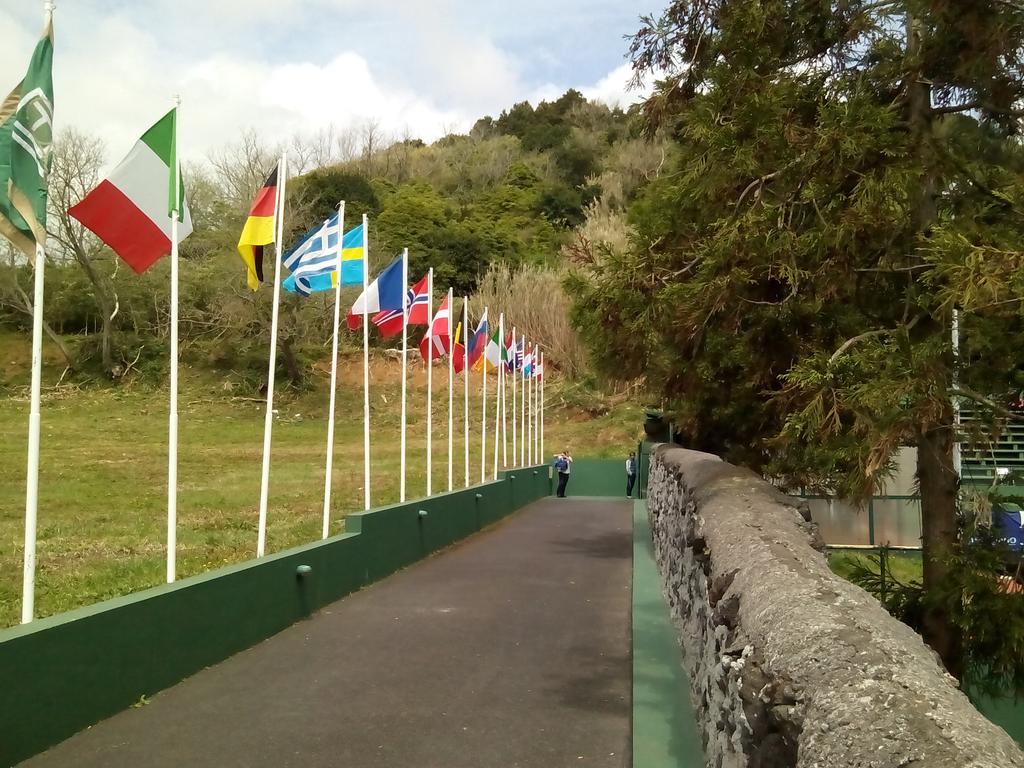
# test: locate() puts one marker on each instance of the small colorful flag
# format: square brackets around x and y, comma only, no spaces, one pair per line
[491,357]
[528,364]
[508,353]
[479,340]
[458,351]
[385,292]
[438,333]
[313,261]
[131,210]
[389,323]
[259,230]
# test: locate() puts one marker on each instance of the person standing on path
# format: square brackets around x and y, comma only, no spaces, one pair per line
[563,465]
[630,474]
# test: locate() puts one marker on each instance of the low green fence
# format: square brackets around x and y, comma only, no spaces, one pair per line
[64,673]
[598,477]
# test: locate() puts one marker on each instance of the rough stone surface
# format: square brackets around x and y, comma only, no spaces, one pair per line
[790,664]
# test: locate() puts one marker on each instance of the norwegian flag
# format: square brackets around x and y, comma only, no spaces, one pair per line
[389,322]
[439,333]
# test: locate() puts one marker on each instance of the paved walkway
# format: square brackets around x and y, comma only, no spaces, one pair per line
[512,650]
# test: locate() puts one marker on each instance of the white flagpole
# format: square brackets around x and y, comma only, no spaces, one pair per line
[483,406]
[465,381]
[497,397]
[405,343]
[172,411]
[515,453]
[366,368]
[334,374]
[261,537]
[28,591]
[28,585]
[451,390]
[537,409]
[430,378]
[522,411]
[529,414]
[544,375]
[504,400]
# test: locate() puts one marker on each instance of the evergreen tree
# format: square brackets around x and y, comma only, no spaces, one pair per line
[847,174]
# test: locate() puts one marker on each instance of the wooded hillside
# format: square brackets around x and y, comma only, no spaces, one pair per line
[506,198]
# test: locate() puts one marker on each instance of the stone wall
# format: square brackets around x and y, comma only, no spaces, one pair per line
[791,665]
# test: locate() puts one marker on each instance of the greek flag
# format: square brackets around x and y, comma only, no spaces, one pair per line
[313,261]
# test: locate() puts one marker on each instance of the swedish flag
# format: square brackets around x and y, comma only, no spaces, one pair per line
[313,261]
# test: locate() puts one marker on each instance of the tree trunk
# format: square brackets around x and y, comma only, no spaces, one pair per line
[936,476]
[938,484]
[291,363]
[107,340]
[26,307]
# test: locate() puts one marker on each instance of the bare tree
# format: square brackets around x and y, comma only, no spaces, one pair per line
[77,159]
[242,167]
[326,147]
[372,140]
[346,145]
[13,296]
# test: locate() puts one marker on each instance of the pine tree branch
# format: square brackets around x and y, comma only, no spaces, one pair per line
[871,334]
[756,182]
[956,108]
[855,340]
[977,104]
[1011,4]
[977,397]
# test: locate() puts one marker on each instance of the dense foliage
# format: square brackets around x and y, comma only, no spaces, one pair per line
[505,196]
[843,175]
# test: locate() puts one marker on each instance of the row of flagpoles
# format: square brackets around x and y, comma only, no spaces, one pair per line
[126,213]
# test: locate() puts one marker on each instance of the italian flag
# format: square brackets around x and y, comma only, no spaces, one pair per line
[131,210]
[491,358]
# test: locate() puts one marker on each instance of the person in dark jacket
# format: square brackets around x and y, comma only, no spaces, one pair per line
[630,474]
[563,465]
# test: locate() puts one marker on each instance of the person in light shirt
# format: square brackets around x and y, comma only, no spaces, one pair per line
[630,474]
[563,465]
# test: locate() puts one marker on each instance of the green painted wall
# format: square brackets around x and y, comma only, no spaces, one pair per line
[598,477]
[1006,713]
[61,674]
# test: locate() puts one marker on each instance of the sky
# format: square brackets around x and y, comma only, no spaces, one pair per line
[285,67]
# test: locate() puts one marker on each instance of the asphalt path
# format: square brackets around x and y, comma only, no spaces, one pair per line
[510,650]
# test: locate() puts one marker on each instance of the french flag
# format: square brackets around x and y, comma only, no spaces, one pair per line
[386,292]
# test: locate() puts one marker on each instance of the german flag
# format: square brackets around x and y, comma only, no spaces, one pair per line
[458,352]
[259,230]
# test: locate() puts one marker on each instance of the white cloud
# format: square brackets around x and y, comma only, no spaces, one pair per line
[613,89]
[344,93]
[116,72]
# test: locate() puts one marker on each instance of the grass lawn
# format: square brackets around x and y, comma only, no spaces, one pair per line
[102,486]
[904,566]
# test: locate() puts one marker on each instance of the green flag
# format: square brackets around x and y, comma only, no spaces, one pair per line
[12,225]
[26,137]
